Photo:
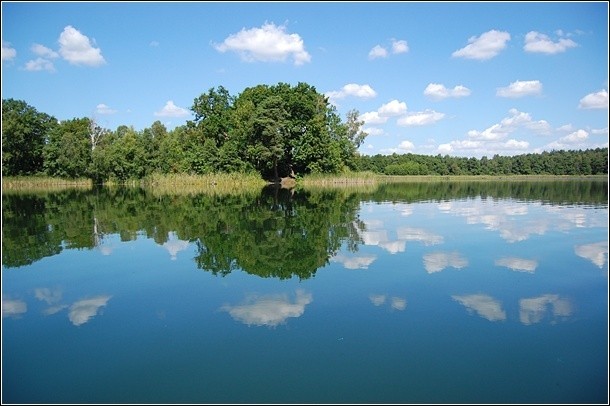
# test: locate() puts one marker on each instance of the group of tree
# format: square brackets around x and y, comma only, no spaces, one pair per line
[277,131]
[574,162]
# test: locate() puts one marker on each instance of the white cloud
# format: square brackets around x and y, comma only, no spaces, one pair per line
[377,300]
[269,43]
[600,131]
[596,252]
[270,310]
[83,310]
[44,52]
[576,137]
[8,53]
[437,261]
[354,262]
[515,145]
[39,64]
[438,91]
[517,264]
[174,245]
[77,49]
[378,52]
[520,88]
[392,108]
[486,46]
[103,109]
[50,296]
[420,235]
[406,146]
[171,110]
[515,121]
[372,117]
[420,118]
[352,89]
[598,100]
[537,42]
[373,130]
[398,303]
[399,46]
[532,310]
[13,307]
[484,305]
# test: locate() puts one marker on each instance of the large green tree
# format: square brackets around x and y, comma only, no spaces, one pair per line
[67,152]
[24,133]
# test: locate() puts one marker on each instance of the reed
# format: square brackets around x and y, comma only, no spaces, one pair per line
[185,184]
[43,183]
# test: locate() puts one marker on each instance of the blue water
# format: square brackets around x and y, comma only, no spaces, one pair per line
[466,299]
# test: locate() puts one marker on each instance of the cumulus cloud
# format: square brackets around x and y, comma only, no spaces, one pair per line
[484,305]
[77,49]
[486,46]
[533,310]
[8,53]
[573,140]
[39,64]
[352,89]
[517,120]
[598,100]
[596,252]
[372,117]
[438,91]
[354,262]
[104,109]
[174,245]
[520,88]
[392,109]
[44,52]
[437,261]
[537,42]
[377,300]
[517,264]
[398,303]
[171,110]
[378,52]
[270,310]
[420,118]
[399,46]
[406,146]
[372,130]
[269,43]
[83,310]
[13,307]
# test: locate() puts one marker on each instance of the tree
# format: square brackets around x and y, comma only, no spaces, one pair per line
[67,152]
[24,133]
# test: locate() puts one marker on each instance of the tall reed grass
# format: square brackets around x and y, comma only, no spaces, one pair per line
[43,183]
[185,184]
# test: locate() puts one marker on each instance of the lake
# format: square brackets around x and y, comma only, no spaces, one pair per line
[420,292]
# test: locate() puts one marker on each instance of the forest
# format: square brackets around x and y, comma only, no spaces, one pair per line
[273,131]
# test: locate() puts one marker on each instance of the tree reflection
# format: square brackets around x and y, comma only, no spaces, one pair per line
[274,232]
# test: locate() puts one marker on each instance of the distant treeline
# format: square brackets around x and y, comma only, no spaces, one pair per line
[270,131]
[587,162]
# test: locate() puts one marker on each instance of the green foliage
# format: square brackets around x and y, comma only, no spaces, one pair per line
[24,133]
[67,153]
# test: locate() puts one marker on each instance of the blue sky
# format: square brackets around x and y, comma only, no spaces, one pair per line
[463,79]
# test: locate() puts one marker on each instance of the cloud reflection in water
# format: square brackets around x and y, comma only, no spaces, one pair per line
[269,310]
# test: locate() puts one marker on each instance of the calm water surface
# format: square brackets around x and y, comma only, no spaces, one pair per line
[405,293]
